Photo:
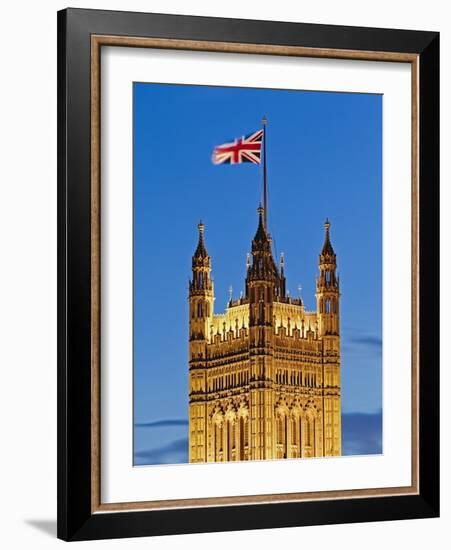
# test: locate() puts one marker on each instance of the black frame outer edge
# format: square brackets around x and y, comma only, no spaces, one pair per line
[75,521]
[430,273]
[61,278]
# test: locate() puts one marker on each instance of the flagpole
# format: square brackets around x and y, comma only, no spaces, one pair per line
[265,198]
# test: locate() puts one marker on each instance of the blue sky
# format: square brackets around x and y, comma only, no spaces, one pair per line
[324,155]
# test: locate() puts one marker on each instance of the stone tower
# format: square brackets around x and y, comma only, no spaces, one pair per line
[201,296]
[262,287]
[264,376]
[328,309]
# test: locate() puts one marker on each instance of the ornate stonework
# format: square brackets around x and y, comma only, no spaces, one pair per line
[264,376]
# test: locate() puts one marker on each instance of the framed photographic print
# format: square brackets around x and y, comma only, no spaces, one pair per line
[248,274]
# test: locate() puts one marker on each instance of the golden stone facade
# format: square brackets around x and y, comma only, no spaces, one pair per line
[264,377]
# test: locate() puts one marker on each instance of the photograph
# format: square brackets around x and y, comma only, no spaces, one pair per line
[257,274]
[248,273]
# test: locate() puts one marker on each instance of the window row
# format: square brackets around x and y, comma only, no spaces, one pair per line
[232,380]
[293,435]
[231,440]
[297,378]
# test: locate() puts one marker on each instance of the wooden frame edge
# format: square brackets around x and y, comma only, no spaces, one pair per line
[176,44]
[415,269]
[98,40]
[95,276]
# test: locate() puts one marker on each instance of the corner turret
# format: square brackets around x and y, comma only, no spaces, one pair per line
[327,288]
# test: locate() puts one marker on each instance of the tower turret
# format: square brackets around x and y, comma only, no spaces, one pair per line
[328,318]
[327,288]
[263,279]
[201,298]
[201,292]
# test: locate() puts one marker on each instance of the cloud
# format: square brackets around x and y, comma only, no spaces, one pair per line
[162,423]
[363,345]
[361,433]
[371,341]
[174,452]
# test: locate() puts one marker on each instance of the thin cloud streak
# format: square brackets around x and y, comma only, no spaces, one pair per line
[162,423]
[372,341]
[362,344]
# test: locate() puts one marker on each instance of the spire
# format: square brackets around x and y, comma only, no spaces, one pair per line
[201,266]
[327,246]
[201,251]
[327,289]
[263,265]
[261,236]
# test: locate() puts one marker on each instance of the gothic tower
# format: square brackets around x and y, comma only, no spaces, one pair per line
[262,287]
[201,299]
[327,306]
[264,376]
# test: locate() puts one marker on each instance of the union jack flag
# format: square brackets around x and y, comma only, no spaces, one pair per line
[243,149]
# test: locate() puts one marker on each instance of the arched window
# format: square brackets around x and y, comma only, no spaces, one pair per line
[300,437]
[230,439]
[244,437]
[327,306]
[280,430]
[218,441]
[282,436]
[200,309]
[294,435]
[309,431]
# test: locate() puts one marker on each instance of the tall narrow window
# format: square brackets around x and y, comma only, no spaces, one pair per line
[300,436]
[294,439]
[246,434]
[231,439]
[282,436]
[241,438]
[309,431]
[279,431]
[285,435]
[218,441]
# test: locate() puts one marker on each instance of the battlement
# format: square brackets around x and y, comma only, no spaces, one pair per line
[230,325]
[309,342]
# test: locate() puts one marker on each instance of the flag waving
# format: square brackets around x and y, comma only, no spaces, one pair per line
[243,149]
